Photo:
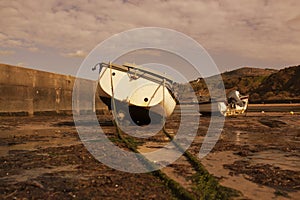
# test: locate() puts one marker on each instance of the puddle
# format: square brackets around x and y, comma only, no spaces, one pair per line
[214,164]
[285,161]
[34,139]
[267,144]
[26,175]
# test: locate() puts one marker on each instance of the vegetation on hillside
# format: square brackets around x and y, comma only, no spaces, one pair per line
[283,85]
[262,85]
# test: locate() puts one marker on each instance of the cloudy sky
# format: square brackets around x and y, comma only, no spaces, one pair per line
[56,35]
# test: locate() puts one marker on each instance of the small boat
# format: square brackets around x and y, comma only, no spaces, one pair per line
[207,108]
[236,104]
[136,93]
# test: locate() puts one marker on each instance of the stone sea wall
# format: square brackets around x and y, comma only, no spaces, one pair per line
[31,92]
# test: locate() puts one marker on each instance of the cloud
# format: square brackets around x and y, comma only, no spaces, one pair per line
[294,23]
[76,54]
[266,30]
[33,49]
[6,52]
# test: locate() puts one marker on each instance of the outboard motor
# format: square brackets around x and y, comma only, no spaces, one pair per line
[234,98]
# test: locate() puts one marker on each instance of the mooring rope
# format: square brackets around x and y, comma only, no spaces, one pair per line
[178,190]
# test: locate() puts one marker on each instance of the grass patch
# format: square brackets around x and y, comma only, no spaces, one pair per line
[178,191]
[207,187]
[281,193]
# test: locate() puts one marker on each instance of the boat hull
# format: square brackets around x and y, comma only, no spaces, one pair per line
[128,114]
[225,108]
[140,99]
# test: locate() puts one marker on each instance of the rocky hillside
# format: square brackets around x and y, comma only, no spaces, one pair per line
[283,85]
[245,79]
[262,85]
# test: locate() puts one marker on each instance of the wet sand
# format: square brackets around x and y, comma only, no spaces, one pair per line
[294,107]
[42,157]
[259,155]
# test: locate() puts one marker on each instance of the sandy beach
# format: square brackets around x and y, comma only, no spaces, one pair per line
[257,154]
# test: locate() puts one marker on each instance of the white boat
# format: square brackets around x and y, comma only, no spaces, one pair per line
[132,90]
[236,104]
[206,108]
